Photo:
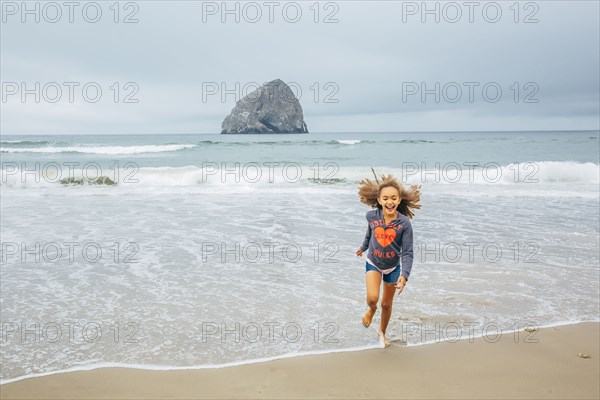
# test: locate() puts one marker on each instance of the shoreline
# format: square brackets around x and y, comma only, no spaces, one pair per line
[549,368]
[229,364]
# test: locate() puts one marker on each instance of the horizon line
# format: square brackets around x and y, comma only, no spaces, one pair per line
[293,134]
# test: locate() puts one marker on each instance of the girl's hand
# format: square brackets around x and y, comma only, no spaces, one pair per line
[400,284]
[359,252]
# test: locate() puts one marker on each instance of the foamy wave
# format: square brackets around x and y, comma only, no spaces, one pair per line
[521,175]
[295,354]
[102,149]
[349,141]
[546,172]
[555,171]
[157,367]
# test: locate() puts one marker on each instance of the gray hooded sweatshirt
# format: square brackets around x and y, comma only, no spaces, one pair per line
[389,244]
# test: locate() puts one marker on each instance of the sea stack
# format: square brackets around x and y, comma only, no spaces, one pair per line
[272,108]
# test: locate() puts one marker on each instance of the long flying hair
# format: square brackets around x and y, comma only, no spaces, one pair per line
[369,192]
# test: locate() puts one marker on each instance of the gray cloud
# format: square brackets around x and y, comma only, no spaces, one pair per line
[351,74]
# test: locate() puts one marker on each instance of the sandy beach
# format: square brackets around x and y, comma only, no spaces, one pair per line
[503,368]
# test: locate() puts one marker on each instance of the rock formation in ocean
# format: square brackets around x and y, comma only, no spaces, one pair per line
[272,108]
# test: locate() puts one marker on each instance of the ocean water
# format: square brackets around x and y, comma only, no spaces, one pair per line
[213,250]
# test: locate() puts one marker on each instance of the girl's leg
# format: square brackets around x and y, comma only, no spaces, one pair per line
[386,307]
[373,283]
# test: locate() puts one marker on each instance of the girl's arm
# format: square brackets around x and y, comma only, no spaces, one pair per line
[407,250]
[365,244]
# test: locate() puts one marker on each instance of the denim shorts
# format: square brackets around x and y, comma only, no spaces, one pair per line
[390,278]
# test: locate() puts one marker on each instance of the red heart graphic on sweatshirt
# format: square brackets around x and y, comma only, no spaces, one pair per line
[385,236]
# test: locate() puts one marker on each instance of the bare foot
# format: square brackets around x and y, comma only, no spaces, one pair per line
[384,339]
[368,317]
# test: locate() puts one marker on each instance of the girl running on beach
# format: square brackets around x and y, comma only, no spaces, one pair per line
[389,239]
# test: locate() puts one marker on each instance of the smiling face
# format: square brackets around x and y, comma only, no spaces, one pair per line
[389,198]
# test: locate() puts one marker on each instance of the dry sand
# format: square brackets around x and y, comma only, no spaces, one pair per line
[550,368]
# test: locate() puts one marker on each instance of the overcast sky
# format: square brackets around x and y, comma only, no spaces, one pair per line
[355,65]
